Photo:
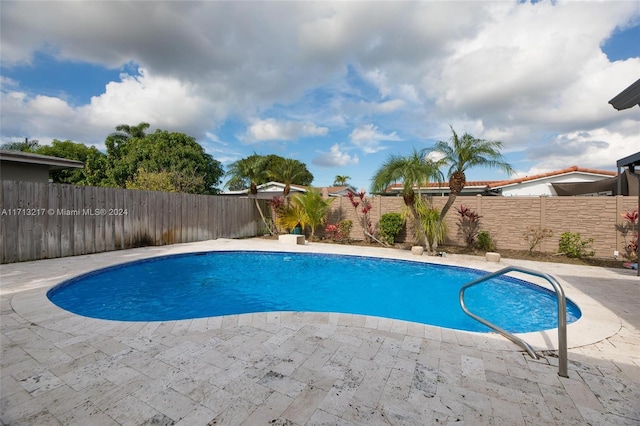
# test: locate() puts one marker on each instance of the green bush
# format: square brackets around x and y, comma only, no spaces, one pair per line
[485,241]
[390,226]
[340,232]
[344,229]
[572,245]
[468,224]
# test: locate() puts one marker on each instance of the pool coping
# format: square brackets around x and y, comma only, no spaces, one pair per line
[29,299]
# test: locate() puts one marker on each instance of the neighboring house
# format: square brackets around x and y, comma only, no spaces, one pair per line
[269,190]
[29,167]
[549,183]
[545,184]
[338,191]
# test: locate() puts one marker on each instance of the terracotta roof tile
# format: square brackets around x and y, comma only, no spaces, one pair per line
[549,174]
[498,183]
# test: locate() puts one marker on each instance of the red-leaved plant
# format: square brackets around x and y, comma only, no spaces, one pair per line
[333,232]
[631,224]
[468,224]
[365,207]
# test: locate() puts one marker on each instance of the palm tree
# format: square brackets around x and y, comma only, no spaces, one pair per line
[116,141]
[287,171]
[463,153]
[308,209]
[134,131]
[414,170]
[341,180]
[249,172]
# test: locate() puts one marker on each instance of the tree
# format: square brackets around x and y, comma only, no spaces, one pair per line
[94,172]
[116,141]
[249,172]
[26,146]
[460,154]
[152,181]
[341,180]
[413,171]
[288,171]
[261,169]
[307,209]
[138,131]
[192,170]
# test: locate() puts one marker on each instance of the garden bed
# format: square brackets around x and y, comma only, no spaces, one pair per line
[505,254]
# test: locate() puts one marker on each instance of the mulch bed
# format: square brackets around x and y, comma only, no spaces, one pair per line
[507,254]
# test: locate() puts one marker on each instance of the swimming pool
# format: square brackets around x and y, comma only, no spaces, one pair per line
[209,284]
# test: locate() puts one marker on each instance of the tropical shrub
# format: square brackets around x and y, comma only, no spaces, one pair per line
[365,207]
[629,233]
[340,232]
[468,224]
[572,245]
[293,215]
[391,225]
[534,236]
[332,231]
[429,217]
[344,229]
[308,209]
[152,181]
[485,242]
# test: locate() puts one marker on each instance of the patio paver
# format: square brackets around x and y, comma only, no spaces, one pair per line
[292,368]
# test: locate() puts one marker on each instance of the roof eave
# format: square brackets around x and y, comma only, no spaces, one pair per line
[54,163]
[633,159]
[628,98]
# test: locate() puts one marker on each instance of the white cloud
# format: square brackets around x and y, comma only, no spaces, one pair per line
[281,130]
[214,138]
[8,82]
[335,158]
[43,116]
[368,138]
[395,95]
[165,102]
[379,79]
[534,64]
[524,73]
[598,148]
[389,106]
[47,105]
[369,132]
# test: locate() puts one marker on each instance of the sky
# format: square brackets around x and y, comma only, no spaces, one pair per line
[339,86]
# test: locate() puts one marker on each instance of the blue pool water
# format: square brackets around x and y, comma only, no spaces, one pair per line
[209,284]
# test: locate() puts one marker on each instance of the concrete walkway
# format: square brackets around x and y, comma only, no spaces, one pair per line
[290,368]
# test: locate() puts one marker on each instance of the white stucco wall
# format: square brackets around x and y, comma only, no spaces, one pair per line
[543,186]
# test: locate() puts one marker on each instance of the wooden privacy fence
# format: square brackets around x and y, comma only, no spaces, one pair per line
[45,220]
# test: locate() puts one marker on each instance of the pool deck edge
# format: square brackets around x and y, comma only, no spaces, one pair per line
[307,368]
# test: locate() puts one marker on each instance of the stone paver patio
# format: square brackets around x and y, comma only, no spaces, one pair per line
[294,368]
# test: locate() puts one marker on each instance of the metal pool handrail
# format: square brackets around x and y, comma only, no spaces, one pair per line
[562,315]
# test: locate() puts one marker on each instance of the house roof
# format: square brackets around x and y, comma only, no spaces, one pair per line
[631,160]
[495,184]
[273,187]
[628,98]
[54,163]
[572,169]
[337,189]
